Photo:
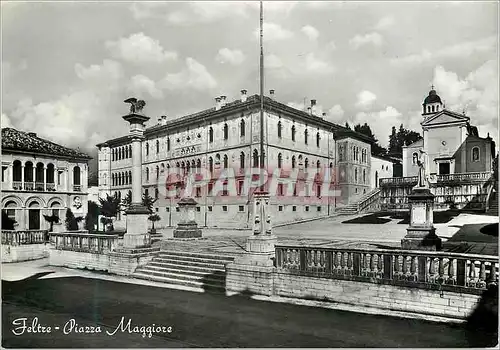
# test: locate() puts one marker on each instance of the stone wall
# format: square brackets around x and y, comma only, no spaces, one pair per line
[24,252]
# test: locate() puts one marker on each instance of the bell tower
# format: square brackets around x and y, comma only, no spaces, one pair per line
[432,103]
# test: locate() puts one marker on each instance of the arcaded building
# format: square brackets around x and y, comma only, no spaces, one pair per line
[225,139]
[40,177]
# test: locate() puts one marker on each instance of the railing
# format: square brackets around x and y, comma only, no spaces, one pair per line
[77,188]
[17,185]
[431,270]
[50,186]
[40,186]
[372,198]
[13,238]
[84,242]
[29,186]
[412,180]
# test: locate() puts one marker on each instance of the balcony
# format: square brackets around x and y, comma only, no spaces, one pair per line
[77,188]
[437,179]
[40,186]
[29,186]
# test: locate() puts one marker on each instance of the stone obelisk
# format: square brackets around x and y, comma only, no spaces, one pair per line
[137,234]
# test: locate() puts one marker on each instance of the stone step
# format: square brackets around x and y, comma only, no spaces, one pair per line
[183,276]
[208,260]
[208,264]
[173,265]
[174,281]
[198,255]
[184,270]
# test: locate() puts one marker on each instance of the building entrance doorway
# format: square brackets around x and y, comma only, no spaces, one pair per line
[444,168]
[34,219]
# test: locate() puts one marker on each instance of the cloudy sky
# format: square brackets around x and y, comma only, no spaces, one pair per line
[67,67]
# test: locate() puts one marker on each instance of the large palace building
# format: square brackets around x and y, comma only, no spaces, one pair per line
[227,136]
[39,178]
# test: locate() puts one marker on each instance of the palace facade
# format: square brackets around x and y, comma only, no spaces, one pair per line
[227,137]
[39,178]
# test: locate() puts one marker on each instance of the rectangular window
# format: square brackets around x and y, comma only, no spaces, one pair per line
[209,208]
[240,187]
[210,187]
[4,171]
[224,208]
[59,177]
[198,209]
[294,208]
[307,208]
[241,208]
[318,208]
[167,209]
[157,209]
[224,190]
[280,190]
[280,208]
[177,209]
[318,191]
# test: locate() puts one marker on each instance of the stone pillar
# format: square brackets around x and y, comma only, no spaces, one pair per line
[22,176]
[421,234]
[11,175]
[187,227]
[137,235]
[45,177]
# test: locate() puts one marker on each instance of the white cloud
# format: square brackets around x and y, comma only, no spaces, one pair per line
[477,93]
[273,31]
[365,99]
[336,113]
[139,48]
[362,40]
[460,50]
[109,70]
[331,46]
[140,84]
[380,122]
[311,32]
[385,22]
[234,57]
[6,123]
[316,65]
[194,76]
[272,61]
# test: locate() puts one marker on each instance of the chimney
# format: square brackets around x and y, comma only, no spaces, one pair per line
[309,110]
[217,103]
[324,115]
[222,101]
[163,120]
[243,95]
[271,94]
[313,107]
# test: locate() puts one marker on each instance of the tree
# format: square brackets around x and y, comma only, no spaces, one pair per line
[51,219]
[147,201]
[403,137]
[91,219]
[72,221]
[127,200]
[347,125]
[153,218]
[366,130]
[7,223]
[105,222]
[109,208]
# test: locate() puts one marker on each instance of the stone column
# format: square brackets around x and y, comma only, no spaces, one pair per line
[22,176]
[137,235]
[45,177]
[421,234]
[11,175]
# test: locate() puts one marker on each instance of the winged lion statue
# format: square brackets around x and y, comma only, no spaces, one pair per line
[136,105]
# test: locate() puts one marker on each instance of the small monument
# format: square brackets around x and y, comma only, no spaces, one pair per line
[187,227]
[421,234]
[137,235]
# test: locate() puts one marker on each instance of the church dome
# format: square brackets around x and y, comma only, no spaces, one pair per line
[432,98]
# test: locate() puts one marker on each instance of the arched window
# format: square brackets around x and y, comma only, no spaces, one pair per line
[356,175]
[157,172]
[226,161]
[293,132]
[242,160]
[306,163]
[255,159]
[157,146]
[293,162]
[130,177]
[280,160]
[188,167]
[168,144]
[198,164]
[279,129]
[242,128]
[126,152]
[147,174]
[211,134]
[475,154]
[130,151]
[318,164]
[414,158]
[305,136]
[211,164]
[226,131]
[317,139]
[147,149]
[39,175]
[76,175]
[376,178]
[364,176]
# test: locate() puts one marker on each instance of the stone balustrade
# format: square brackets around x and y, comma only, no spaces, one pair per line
[412,180]
[463,273]
[24,237]
[370,202]
[81,241]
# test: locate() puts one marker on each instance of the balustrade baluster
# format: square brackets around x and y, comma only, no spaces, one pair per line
[343,263]
[482,276]
[413,268]
[406,268]
[396,267]
[441,271]
[350,267]
[366,265]
[451,272]
[373,267]
[472,274]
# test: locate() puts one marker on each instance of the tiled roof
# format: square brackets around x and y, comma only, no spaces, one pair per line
[15,140]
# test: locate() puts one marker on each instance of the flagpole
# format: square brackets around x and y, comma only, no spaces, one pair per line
[261,87]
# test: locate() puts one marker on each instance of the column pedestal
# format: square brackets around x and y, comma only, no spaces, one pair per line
[187,227]
[421,234]
[137,235]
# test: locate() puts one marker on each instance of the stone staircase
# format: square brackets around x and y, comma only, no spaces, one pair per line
[493,207]
[203,271]
[363,204]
